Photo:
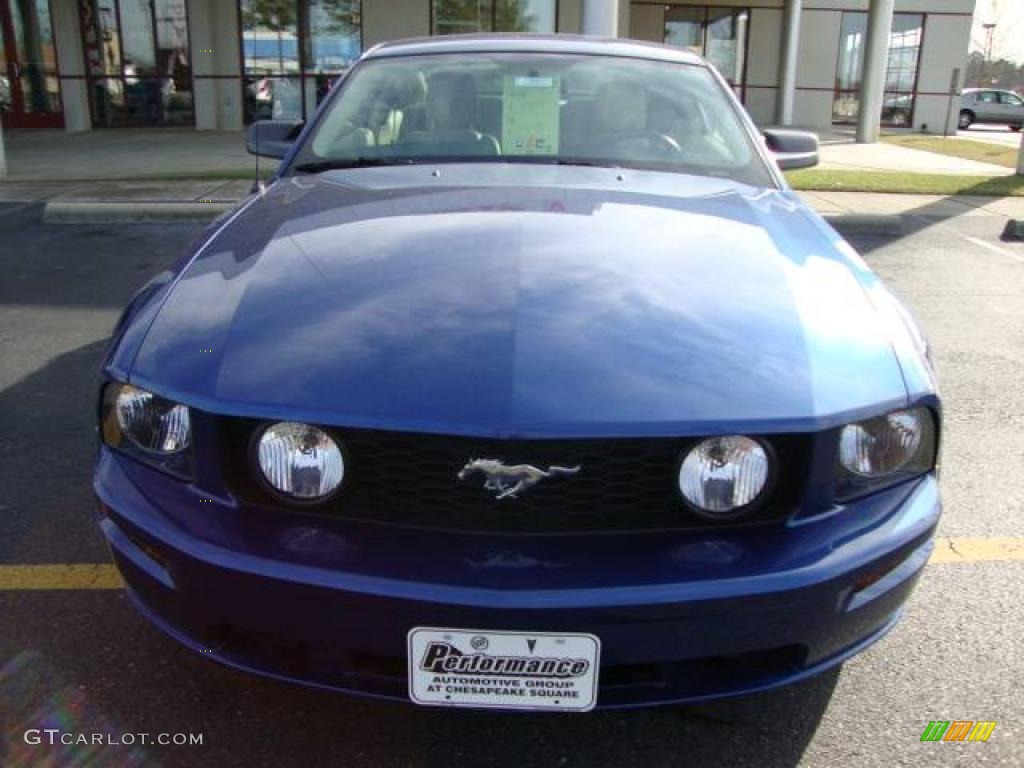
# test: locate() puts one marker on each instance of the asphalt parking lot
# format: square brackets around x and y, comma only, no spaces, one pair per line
[83,661]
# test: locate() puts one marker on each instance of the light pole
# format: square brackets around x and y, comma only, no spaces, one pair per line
[990,30]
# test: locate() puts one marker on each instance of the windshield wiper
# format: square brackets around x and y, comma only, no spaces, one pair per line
[353,162]
[554,160]
[578,161]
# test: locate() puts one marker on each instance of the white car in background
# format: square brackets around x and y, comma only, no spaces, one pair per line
[989,105]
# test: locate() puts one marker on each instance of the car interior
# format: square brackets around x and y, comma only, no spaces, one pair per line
[579,110]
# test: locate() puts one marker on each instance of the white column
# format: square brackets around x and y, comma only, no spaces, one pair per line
[787,62]
[227,62]
[872,84]
[601,18]
[213,44]
[74,94]
[1020,156]
[201,42]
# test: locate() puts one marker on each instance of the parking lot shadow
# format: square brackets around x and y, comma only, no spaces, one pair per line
[47,443]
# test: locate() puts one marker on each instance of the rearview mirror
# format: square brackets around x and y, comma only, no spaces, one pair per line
[792,149]
[272,138]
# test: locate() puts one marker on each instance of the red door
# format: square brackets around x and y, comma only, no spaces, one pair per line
[29,83]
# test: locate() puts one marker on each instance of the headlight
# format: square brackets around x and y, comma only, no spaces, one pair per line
[300,461]
[151,422]
[885,450]
[147,427]
[721,476]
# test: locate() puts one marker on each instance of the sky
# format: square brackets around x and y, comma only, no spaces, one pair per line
[1008,36]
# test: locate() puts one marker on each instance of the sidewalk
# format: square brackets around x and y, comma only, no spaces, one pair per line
[894,158]
[839,152]
[127,153]
[924,206]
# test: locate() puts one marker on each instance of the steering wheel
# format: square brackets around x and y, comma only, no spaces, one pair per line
[645,143]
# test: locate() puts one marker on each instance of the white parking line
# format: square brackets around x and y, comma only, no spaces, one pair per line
[993,248]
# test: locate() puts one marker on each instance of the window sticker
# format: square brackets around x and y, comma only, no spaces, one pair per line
[529,123]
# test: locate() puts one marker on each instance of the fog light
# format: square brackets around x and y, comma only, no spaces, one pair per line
[300,460]
[721,476]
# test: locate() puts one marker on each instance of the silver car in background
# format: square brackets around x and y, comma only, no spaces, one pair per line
[989,105]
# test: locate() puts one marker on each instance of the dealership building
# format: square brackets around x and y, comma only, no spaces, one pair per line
[219,64]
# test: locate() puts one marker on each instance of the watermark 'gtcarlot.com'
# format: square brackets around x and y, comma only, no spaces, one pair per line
[55,736]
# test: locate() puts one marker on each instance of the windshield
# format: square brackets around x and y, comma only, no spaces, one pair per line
[515,107]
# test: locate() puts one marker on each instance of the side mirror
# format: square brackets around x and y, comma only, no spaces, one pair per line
[272,138]
[792,149]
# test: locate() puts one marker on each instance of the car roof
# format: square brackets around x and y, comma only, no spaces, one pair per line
[518,43]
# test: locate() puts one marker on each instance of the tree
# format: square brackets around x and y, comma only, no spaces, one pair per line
[1000,73]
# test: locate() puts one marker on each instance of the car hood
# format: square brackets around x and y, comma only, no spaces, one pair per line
[488,300]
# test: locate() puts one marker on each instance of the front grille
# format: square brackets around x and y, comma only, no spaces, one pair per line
[410,479]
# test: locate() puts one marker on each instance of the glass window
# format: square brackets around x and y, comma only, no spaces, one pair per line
[29,86]
[904,46]
[270,37]
[988,97]
[852,31]
[270,51]
[726,41]
[173,63]
[684,28]
[137,38]
[596,110]
[453,17]
[5,84]
[108,37]
[137,56]
[333,38]
[108,103]
[525,16]
[1012,99]
[901,67]
[717,34]
[293,50]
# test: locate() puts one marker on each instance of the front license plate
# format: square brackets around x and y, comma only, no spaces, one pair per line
[508,670]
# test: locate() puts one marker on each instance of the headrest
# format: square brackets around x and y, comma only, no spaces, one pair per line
[407,89]
[451,100]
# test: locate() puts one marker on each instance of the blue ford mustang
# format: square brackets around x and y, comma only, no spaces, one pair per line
[526,383]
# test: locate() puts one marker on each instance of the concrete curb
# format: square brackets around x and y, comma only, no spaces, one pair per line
[1014,230]
[100,212]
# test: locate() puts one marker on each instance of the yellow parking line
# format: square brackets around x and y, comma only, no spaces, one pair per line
[105,575]
[79,576]
[965,550]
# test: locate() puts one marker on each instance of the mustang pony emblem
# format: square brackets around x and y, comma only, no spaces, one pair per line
[509,482]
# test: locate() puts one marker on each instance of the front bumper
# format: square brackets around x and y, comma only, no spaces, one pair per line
[681,616]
